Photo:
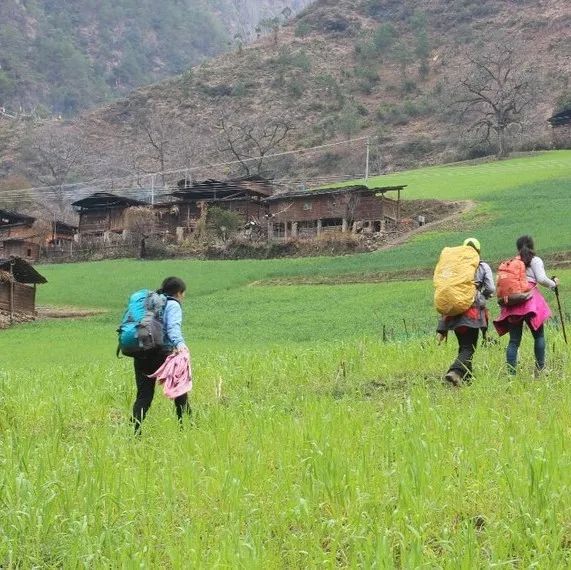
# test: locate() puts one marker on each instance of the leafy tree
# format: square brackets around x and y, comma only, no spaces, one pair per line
[223,223]
[350,120]
[384,37]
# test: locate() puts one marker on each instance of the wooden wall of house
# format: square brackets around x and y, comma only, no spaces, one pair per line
[337,206]
[185,214]
[26,250]
[19,231]
[102,220]
[250,210]
[24,297]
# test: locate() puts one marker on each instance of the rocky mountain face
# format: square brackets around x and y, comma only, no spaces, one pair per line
[61,57]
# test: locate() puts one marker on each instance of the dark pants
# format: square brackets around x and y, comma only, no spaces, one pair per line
[146,389]
[516,331]
[467,341]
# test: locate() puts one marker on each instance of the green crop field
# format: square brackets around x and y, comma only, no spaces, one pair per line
[321,434]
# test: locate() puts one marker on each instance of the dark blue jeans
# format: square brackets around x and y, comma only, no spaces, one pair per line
[516,331]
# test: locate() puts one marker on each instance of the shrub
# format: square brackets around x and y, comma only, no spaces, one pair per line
[295,88]
[418,148]
[408,86]
[384,37]
[349,120]
[563,102]
[239,90]
[302,29]
[392,114]
[288,59]
[222,223]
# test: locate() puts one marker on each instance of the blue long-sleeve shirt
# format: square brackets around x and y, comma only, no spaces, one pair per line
[172,319]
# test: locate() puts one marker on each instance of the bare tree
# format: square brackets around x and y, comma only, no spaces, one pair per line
[154,137]
[250,143]
[495,94]
[345,204]
[55,159]
[43,232]
[140,221]
[157,143]
[287,13]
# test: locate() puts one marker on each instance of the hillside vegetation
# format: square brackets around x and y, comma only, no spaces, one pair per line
[389,70]
[67,56]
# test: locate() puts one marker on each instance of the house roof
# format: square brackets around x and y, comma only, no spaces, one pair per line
[211,189]
[100,200]
[560,119]
[63,227]
[22,271]
[19,239]
[7,217]
[334,191]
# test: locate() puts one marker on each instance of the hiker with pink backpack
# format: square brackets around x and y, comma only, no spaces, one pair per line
[521,302]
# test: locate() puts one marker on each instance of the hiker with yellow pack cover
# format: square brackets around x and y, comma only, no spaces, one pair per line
[462,285]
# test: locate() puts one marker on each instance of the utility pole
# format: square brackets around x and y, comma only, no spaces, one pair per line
[152,190]
[368,144]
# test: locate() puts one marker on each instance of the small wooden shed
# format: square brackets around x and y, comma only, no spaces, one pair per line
[18,280]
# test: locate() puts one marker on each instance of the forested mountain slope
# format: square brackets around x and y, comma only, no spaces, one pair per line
[67,56]
[397,71]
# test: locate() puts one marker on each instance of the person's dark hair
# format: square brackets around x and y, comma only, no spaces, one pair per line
[171,286]
[525,247]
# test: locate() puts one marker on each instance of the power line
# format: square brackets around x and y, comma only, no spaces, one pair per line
[134,183]
[138,177]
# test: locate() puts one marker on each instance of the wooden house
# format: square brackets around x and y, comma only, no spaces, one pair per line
[17,236]
[244,196]
[62,236]
[18,280]
[561,129]
[21,237]
[312,212]
[103,214]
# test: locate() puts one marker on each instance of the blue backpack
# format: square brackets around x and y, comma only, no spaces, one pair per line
[141,328]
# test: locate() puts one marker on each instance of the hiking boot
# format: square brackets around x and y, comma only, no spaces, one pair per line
[539,373]
[453,378]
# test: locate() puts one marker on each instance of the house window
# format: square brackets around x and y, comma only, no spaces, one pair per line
[29,252]
[279,230]
[307,205]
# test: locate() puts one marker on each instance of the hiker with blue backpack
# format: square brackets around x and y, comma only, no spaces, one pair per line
[521,302]
[150,332]
[463,283]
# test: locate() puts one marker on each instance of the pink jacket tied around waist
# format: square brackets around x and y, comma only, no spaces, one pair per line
[535,310]
[175,374]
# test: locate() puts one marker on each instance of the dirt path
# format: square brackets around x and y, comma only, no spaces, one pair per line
[464,206]
[47,312]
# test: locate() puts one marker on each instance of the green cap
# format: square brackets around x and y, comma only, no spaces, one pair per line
[473,242]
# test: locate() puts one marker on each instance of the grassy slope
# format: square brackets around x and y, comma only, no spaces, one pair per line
[376,462]
[514,197]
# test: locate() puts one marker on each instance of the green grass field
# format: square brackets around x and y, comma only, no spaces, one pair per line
[327,446]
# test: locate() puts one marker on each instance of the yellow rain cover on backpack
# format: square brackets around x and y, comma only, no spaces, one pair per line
[454,286]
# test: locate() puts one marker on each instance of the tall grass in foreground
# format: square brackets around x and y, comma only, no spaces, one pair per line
[339,454]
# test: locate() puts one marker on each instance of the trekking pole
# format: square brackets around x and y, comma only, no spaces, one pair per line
[560,313]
